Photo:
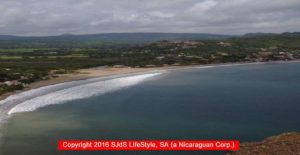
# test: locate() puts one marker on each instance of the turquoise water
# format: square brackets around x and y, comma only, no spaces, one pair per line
[248,102]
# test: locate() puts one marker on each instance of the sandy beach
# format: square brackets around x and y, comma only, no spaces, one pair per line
[80,75]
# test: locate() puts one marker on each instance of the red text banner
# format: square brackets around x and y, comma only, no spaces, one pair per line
[123,145]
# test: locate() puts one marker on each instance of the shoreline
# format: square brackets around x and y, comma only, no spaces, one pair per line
[96,72]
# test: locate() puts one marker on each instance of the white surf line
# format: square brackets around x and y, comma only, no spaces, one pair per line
[229,65]
[45,89]
[80,92]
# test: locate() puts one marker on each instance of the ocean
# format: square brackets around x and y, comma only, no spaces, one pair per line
[246,102]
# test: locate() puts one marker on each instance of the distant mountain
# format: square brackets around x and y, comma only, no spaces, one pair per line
[289,34]
[259,34]
[7,37]
[137,37]
[285,34]
[113,39]
[122,37]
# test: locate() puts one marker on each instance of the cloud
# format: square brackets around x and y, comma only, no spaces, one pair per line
[203,6]
[53,17]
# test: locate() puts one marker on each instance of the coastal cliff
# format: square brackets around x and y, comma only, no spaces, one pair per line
[284,144]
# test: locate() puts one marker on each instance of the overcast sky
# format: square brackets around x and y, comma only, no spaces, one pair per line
[53,17]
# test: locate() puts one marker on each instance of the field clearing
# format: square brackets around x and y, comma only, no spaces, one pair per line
[10,57]
[7,57]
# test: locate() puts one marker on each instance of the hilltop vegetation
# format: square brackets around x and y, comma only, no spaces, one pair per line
[28,59]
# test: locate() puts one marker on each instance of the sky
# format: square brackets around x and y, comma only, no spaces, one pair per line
[55,17]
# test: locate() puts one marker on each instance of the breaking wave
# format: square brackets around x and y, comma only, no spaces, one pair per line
[61,93]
